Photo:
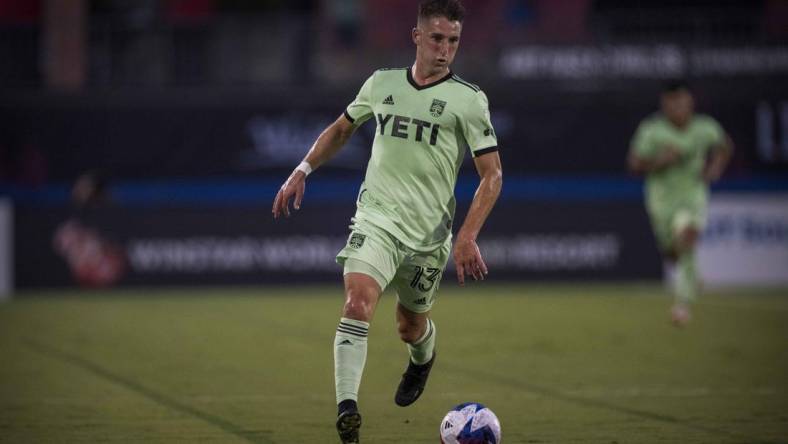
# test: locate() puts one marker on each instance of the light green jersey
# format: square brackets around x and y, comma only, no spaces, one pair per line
[682,182]
[420,141]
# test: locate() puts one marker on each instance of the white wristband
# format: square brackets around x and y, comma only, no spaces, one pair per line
[304,167]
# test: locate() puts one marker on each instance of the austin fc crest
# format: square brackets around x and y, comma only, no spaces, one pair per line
[356,240]
[437,107]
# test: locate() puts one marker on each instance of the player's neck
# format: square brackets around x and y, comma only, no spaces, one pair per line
[423,76]
[680,125]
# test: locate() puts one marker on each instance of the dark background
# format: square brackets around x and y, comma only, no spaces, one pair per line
[196,110]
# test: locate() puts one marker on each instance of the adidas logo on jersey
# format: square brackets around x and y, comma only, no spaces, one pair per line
[420,301]
[388,100]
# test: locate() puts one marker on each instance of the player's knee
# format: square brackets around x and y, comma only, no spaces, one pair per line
[691,235]
[358,309]
[688,238]
[409,332]
[359,304]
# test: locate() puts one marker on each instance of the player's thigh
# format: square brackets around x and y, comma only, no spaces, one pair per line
[418,278]
[370,251]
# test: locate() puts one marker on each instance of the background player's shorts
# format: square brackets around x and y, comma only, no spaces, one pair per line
[668,222]
[414,275]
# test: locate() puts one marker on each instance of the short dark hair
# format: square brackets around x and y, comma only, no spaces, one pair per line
[674,85]
[451,9]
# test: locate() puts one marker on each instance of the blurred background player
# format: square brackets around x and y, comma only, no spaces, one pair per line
[680,153]
[401,233]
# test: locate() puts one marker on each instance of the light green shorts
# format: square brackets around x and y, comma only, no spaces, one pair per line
[414,275]
[668,223]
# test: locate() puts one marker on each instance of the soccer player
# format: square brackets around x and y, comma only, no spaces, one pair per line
[680,153]
[426,118]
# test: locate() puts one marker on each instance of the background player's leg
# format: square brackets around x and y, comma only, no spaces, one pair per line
[661,219]
[669,268]
[350,344]
[418,331]
[687,279]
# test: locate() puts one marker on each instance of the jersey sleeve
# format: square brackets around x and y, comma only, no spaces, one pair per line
[360,110]
[477,127]
[643,142]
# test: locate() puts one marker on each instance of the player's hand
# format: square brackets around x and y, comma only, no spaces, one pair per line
[468,260]
[293,187]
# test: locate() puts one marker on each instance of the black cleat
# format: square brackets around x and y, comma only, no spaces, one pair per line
[348,423]
[413,381]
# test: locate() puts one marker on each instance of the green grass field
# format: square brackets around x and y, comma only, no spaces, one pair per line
[558,364]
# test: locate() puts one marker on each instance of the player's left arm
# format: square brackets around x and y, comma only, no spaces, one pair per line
[719,159]
[467,257]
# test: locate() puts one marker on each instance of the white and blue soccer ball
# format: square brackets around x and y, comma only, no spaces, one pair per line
[470,423]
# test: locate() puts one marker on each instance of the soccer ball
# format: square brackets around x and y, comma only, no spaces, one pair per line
[470,423]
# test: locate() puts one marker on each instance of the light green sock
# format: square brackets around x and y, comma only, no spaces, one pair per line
[687,279]
[350,354]
[421,350]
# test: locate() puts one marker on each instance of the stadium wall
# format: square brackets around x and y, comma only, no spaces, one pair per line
[243,245]
[746,240]
[540,231]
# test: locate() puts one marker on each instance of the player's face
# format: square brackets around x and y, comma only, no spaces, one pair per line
[678,106]
[436,42]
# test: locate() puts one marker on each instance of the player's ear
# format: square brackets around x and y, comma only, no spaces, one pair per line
[416,35]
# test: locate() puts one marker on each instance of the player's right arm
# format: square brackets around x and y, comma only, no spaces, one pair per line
[328,143]
[645,157]
[325,147]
